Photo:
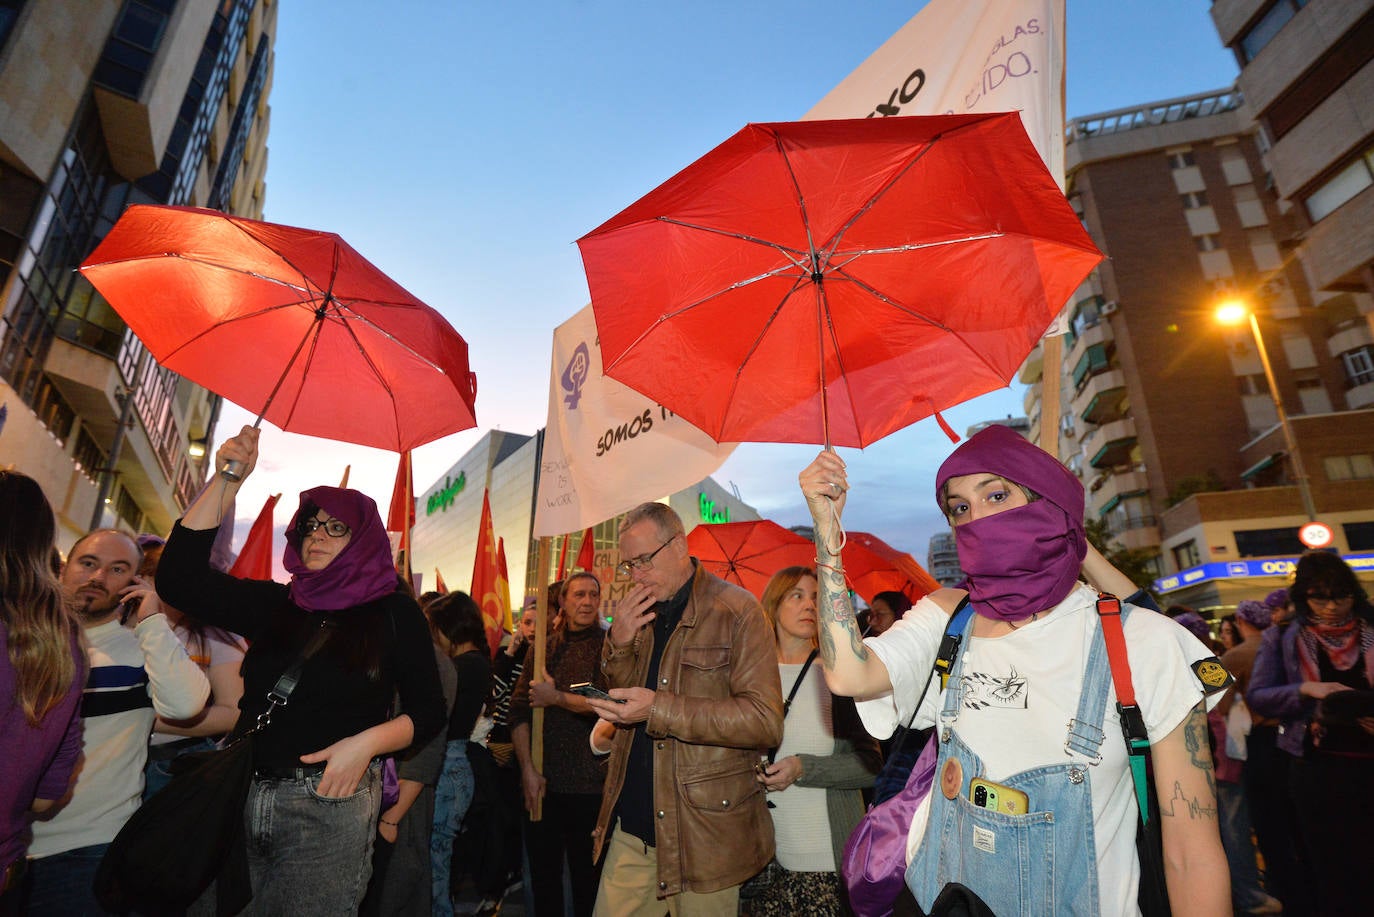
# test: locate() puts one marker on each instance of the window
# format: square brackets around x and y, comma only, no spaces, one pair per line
[1093,361]
[1268,542]
[1252,384]
[1182,159]
[1349,467]
[1358,365]
[1359,536]
[9,12]
[1186,555]
[1208,242]
[1341,187]
[1194,199]
[1266,27]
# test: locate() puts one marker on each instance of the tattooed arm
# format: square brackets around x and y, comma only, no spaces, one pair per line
[850,669]
[1194,862]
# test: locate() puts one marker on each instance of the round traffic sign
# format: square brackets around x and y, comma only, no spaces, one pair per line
[1316,535]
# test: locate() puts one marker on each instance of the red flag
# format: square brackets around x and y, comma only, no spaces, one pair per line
[401,517]
[255,558]
[563,558]
[587,553]
[503,587]
[485,574]
[439,585]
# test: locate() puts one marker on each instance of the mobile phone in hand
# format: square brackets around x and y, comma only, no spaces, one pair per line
[587,689]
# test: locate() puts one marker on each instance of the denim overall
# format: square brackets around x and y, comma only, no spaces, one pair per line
[1040,863]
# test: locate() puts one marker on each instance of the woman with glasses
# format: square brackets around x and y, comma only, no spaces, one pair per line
[1316,676]
[312,810]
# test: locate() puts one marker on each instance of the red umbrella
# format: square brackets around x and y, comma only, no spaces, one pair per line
[834,281]
[749,553]
[292,324]
[892,570]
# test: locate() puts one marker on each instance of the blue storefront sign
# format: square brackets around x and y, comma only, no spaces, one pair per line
[1237,569]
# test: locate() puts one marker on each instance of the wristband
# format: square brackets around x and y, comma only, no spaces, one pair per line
[390,824]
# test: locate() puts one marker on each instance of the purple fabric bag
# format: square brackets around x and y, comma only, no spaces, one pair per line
[874,864]
[391,784]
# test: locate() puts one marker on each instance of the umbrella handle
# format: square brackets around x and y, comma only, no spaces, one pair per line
[233,471]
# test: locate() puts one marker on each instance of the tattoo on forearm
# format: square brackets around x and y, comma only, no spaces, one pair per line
[837,608]
[1200,753]
[1180,804]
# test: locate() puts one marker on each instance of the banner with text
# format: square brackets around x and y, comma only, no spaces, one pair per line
[607,448]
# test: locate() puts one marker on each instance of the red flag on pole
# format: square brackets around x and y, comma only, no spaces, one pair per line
[439,585]
[563,558]
[485,574]
[401,517]
[255,558]
[503,587]
[586,555]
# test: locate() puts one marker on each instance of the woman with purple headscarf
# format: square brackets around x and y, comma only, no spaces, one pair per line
[312,810]
[1030,705]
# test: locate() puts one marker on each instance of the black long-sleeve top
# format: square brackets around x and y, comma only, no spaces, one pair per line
[341,691]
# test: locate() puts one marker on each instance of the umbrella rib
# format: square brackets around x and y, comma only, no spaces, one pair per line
[305,278]
[754,346]
[367,358]
[344,306]
[853,254]
[801,204]
[208,263]
[797,257]
[229,321]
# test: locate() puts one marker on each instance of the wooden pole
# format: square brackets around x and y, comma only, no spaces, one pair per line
[1050,380]
[541,617]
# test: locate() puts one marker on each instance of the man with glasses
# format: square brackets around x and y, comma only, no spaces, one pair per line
[696,697]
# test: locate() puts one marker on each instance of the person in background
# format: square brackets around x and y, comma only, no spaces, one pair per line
[1302,676]
[1280,607]
[42,672]
[885,609]
[571,779]
[462,636]
[219,655]
[695,686]
[816,775]
[1228,634]
[312,807]
[401,883]
[1027,686]
[135,673]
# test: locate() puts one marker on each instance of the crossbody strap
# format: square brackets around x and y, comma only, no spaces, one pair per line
[944,661]
[796,686]
[1132,721]
[281,691]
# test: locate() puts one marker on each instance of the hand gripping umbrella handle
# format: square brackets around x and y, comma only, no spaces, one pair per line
[233,471]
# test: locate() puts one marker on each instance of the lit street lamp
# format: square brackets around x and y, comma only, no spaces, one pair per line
[1233,312]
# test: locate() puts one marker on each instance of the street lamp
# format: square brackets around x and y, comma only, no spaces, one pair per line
[1233,312]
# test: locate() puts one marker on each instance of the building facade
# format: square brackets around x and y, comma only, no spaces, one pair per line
[942,559]
[1165,414]
[448,517]
[103,104]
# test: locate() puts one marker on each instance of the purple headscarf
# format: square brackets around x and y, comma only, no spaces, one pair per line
[1025,560]
[1256,614]
[360,573]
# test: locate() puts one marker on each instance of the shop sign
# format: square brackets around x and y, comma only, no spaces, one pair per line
[709,512]
[442,499]
[1236,569]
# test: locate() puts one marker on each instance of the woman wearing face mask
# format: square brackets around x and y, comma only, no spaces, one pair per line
[1026,668]
[312,809]
[1316,677]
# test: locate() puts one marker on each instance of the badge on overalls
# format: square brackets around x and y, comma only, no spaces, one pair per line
[951,778]
[1213,675]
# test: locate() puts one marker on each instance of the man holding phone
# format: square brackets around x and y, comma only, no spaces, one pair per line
[572,778]
[683,821]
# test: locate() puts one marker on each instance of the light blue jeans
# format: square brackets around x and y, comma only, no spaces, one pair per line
[309,854]
[452,796]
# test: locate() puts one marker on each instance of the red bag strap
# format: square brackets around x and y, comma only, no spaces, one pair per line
[1132,721]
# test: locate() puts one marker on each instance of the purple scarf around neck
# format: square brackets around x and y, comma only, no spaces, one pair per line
[360,573]
[1026,560]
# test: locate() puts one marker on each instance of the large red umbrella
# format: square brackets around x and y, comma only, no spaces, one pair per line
[834,281]
[289,323]
[894,570]
[749,553]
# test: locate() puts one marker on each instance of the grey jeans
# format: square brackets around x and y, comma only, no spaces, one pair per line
[309,854]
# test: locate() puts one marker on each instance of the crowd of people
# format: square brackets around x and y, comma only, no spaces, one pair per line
[706,752]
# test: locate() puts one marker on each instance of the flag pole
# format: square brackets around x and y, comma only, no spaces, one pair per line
[541,617]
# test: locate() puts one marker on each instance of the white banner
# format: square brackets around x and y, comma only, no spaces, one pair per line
[608,448]
[962,56]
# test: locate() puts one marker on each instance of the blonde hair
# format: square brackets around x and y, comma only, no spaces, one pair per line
[777,588]
[39,627]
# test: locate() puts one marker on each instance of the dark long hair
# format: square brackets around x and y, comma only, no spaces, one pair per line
[40,629]
[1324,571]
[457,617]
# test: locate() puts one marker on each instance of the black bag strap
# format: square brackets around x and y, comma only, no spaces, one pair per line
[944,662]
[281,691]
[796,686]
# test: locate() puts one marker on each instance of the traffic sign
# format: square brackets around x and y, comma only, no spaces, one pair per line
[1316,535]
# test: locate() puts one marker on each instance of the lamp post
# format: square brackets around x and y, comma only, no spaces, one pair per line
[1233,312]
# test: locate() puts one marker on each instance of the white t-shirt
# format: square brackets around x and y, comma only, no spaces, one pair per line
[801,821]
[1021,690]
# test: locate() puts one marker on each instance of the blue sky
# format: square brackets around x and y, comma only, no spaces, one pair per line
[463,147]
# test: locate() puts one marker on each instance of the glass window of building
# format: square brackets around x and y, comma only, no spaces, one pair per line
[1341,187]
[1266,27]
[1358,365]
[1186,555]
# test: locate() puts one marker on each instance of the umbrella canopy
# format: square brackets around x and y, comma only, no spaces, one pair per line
[833,281]
[749,553]
[894,570]
[292,324]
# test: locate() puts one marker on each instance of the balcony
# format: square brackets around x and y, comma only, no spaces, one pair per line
[1144,536]
[1031,399]
[1100,333]
[1110,444]
[1100,399]
[1361,396]
[1114,488]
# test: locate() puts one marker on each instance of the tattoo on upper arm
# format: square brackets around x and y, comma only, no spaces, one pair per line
[836,607]
[1195,739]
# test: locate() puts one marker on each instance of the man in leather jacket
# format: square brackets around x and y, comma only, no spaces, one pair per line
[692,669]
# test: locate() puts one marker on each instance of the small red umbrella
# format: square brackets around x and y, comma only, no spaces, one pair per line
[289,323]
[834,281]
[749,553]
[892,570]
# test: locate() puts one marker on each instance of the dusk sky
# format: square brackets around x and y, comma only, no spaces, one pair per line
[463,147]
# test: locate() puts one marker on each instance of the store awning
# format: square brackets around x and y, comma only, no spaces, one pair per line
[1259,466]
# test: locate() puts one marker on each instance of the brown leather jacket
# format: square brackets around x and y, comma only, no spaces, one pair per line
[718,705]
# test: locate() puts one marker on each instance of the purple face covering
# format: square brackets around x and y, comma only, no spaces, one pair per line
[360,573]
[1025,560]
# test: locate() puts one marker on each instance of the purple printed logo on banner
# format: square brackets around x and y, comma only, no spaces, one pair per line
[575,375]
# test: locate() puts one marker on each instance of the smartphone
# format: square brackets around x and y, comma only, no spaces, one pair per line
[997,798]
[587,689]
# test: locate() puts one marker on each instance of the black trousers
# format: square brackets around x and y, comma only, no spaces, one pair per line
[1336,822]
[564,831]
[1265,779]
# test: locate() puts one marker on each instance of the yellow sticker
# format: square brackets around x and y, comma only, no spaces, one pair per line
[1212,674]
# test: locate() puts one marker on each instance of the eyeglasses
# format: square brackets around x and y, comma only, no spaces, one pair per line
[1319,599]
[334,528]
[642,562]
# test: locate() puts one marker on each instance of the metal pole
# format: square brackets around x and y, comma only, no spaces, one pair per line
[1304,488]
